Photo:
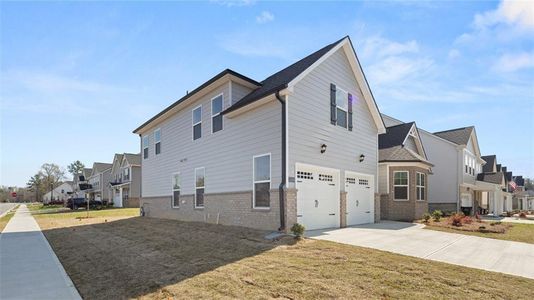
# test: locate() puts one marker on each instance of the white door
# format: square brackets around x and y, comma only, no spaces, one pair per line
[360,198]
[117,199]
[317,197]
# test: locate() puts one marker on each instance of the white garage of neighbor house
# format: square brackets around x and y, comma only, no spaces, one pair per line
[60,193]
[300,146]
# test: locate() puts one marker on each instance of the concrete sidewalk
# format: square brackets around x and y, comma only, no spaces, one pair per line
[508,257]
[29,268]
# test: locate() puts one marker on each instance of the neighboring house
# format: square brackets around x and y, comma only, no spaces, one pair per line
[300,146]
[125,180]
[456,157]
[520,195]
[99,180]
[86,173]
[60,193]
[403,171]
[492,180]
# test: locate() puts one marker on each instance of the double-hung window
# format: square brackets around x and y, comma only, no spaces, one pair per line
[341,107]
[420,185]
[145,147]
[197,123]
[262,181]
[216,117]
[400,185]
[199,187]
[176,190]
[157,141]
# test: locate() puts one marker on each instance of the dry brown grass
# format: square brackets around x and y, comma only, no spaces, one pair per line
[164,259]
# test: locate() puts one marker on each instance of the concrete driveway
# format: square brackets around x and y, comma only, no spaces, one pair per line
[513,258]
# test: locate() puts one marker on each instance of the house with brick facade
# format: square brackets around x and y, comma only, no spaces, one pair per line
[403,171]
[301,146]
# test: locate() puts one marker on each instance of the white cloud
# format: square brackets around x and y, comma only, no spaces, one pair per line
[379,47]
[512,12]
[264,17]
[454,53]
[395,68]
[514,62]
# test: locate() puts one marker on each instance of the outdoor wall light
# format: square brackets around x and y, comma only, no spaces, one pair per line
[362,157]
[323,148]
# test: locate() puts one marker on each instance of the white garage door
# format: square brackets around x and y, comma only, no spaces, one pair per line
[317,197]
[360,198]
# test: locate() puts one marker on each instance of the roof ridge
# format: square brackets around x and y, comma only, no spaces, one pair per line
[407,123]
[455,129]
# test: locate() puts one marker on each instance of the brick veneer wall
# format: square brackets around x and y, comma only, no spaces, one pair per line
[404,210]
[131,202]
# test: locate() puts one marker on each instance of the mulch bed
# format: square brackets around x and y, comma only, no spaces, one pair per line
[475,226]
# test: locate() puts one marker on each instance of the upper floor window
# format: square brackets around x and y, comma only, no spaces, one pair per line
[216,117]
[262,181]
[197,123]
[145,146]
[341,107]
[400,185]
[126,174]
[420,185]
[199,187]
[157,141]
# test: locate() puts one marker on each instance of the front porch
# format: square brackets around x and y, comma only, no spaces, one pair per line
[120,195]
[491,199]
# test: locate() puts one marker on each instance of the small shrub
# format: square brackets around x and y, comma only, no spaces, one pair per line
[481,227]
[467,220]
[495,223]
[437,214]
[523,215]
[298,230]
[426,217]
[456,219]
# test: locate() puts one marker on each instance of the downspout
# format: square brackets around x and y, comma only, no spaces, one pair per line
[281,188]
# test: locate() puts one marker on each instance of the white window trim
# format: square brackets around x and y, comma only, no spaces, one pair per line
[155,142]
[260,181]
[420,186]
[173,190]
[193,122]
[407,186]
[214,115]
[146,147]
[202,187]
[345,110]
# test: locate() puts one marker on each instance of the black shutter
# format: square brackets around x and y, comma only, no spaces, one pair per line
[333,115]
[350,112]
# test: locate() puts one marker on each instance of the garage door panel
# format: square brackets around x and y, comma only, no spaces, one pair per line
[317,197]
[360,198]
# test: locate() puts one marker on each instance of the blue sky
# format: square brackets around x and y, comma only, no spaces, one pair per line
[77,78]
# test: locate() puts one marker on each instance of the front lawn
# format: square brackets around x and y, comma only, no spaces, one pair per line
[121,256]
[515,232]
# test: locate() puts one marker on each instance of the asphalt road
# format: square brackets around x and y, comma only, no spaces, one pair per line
[5,207]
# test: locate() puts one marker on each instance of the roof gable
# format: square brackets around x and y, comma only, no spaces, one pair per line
[490,165]
[459,136]
[117,160]
[131,159]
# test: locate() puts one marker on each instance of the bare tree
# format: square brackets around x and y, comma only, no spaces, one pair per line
[52,175]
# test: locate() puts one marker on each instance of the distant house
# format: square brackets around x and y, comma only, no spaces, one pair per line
[86,173]
[99,180]
[495,200]
[300,146]
[125,180]
[403,171]
[60,193]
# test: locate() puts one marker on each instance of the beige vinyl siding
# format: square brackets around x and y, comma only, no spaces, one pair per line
[410,144]
[239,91]
[383,179]
[309,122]
[135,185]
[226,155]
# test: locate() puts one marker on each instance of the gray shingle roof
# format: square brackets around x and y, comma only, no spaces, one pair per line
[490,160]
[494,177]
[508,176]
[99,167]
[279,80]
[519,180]
[498,167]
[133,159]
[399,153]
[394,135]
[459,136]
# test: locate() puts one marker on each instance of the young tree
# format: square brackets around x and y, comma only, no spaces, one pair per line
[75,168]
[36,185]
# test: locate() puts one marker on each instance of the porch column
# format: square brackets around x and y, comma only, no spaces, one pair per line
[120,195]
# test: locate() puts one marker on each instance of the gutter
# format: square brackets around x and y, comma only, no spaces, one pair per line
[283,183]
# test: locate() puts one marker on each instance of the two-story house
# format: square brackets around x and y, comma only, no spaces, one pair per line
[300,146]
[99,180]
[403,171]
[493,184]
[125,180]
[456,157]
[60,193]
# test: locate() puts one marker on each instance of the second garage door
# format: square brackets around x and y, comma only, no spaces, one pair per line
[360,198]
[317,197]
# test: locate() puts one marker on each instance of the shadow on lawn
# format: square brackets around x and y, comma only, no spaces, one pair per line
[137,256]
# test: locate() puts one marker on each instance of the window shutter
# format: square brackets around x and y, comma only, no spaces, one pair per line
[350,111]
[333,115]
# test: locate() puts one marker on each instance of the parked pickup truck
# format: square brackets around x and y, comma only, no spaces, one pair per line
[76,203]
